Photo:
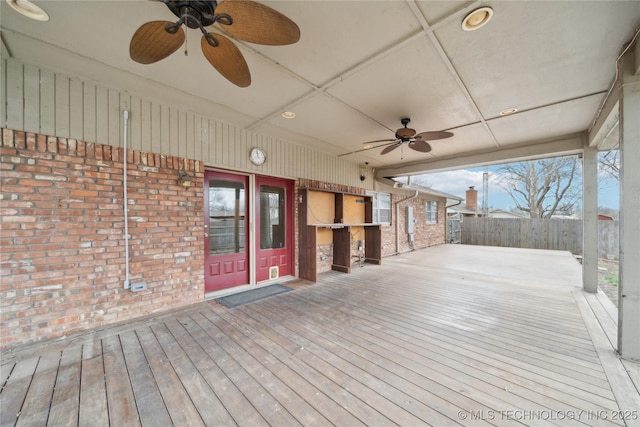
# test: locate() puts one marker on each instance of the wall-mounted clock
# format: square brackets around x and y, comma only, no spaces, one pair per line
[257,156]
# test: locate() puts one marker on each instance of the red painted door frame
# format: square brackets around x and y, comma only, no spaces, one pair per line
[226,241]
[227,213]
[278,251]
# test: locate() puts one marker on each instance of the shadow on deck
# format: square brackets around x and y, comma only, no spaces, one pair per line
[450,335]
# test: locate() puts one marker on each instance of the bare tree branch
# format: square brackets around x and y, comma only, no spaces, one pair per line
[543,187]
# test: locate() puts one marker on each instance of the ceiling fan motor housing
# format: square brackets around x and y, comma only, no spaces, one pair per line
[201,10]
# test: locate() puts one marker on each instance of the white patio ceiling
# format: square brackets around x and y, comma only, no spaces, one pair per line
[361,66]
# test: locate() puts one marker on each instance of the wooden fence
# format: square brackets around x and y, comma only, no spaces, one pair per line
[555,234]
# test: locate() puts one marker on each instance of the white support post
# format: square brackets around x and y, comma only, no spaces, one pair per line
[590,219]
[629,290]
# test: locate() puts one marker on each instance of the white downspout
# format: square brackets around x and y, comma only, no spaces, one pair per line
[398,217]
[127,282]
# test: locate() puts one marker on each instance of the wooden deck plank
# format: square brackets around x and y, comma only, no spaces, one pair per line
[122,404]
[287,373]
[93,393]
[519,321]
[418,309]
[460,375]
[424,339]
[483,321]
[286,351]
[359,368]
[470,338]
[175,397]
[603,314]
[235,402]
[5,371]
[259,397]
[35,409]
[65,404]
[427,353]
[421,382]
[260,316]
[15,390]
[624,389]
[151,408]
[348,376]
[206,402]
[458,338]
[515,333]
[287,398]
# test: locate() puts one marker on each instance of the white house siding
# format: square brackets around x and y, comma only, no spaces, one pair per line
[35,99]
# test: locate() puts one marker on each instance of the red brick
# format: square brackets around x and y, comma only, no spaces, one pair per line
[73,237]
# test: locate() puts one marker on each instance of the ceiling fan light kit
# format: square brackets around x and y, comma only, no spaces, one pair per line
[243,19]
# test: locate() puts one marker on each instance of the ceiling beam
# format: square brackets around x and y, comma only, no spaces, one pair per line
[636,53]
[429,30]
[604,130]
[573,144]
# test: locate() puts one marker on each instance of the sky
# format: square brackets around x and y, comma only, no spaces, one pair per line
[457,182]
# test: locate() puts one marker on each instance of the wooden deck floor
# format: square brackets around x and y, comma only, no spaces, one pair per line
[451,335]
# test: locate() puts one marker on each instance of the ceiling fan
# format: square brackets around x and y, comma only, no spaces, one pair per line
[408,136]
[244,19]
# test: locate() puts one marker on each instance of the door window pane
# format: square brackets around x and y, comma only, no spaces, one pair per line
[272,217]
[226,217]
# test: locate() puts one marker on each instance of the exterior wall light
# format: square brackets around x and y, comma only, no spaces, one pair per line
[184,179]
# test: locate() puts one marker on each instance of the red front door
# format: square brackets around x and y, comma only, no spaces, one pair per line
[274,228]
[226,231]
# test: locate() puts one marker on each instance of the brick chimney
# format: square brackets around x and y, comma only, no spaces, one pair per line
[471,197]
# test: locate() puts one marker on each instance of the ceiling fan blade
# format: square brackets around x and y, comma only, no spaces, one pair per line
[227,59]
[420,145]
[151,42]
[391,147]
[432,136]
[256,23]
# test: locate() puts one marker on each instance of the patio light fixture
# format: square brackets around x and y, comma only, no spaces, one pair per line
[29,9]
[477,18]
[508,111]
[184,179]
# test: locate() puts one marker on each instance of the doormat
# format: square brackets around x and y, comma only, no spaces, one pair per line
[253,295]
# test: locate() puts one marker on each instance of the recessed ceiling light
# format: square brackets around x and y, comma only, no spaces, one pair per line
[288,114]
[477,18]
[28,9]
[508,111]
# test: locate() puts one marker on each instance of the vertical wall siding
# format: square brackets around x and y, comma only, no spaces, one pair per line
[45,102]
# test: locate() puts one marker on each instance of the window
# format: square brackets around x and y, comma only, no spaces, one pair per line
[432,212]
[381,207]
[272,217]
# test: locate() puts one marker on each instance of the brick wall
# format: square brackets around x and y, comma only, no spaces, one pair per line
[424,234]
[62,243]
